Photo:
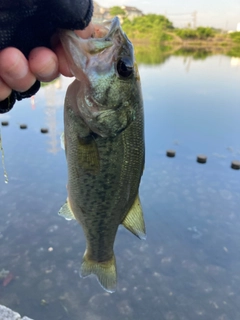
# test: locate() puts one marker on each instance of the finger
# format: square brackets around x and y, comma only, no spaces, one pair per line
[100,31]
[5,91]
[14,70]
[63,64]
[64,67]
[43,63]
[87,32]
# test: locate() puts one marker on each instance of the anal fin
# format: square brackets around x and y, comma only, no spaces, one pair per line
[66,211]
[134,221]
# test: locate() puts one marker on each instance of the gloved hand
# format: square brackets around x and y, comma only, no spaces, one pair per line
[26,24]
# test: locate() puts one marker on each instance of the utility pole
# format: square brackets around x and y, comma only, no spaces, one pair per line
[194,17]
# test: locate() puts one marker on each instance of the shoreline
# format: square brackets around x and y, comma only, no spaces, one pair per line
[221,41]
[189,43]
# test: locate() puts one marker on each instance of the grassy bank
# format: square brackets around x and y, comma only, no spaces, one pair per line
[157,29]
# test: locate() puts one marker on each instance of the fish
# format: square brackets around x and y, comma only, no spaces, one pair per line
[104,145]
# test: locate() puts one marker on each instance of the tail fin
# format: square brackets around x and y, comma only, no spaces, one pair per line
[105,272]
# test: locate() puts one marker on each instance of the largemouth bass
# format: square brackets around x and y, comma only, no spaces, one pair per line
[104,145]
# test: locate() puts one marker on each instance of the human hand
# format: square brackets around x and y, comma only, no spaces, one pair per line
[18,73]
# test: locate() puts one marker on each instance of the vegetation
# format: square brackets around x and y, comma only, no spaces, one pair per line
[155,28]
[201,33]
[158,54]
[165,40]
[234,52]
[195,53]
[152,54]
[117,11]
[151,26]
[235,36]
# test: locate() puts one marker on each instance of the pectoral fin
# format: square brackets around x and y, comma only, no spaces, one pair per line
[134,221]
[66,211]
[62,141]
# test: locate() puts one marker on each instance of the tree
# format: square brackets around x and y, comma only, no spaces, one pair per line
[117,11]
[151,26]
[205,32]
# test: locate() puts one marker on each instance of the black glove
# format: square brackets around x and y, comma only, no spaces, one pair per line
[26,24]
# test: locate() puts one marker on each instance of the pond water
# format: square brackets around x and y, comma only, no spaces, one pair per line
[189,266]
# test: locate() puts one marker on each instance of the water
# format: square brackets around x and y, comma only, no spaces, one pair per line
[188,268]
[2,156]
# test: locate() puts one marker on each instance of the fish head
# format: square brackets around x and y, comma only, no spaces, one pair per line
[109,82]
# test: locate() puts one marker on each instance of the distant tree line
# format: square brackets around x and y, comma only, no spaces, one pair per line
[156,27]
[235,36]
[117,11]
[201,33]
[150,26]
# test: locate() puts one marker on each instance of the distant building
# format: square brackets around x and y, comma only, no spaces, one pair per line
[132,12]
[238,26]
[100,14]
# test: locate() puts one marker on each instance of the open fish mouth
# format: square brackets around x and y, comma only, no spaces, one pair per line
[112,26]
[107,30]
[105,35]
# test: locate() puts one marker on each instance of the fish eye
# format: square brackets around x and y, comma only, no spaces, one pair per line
[124,67]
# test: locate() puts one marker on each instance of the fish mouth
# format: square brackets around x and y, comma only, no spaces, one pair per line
[80,51]
[111,28]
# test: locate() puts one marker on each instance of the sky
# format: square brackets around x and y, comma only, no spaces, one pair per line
[223,14]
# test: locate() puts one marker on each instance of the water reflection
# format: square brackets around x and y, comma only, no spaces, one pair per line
[189,266]
[157,54]
[235,62]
